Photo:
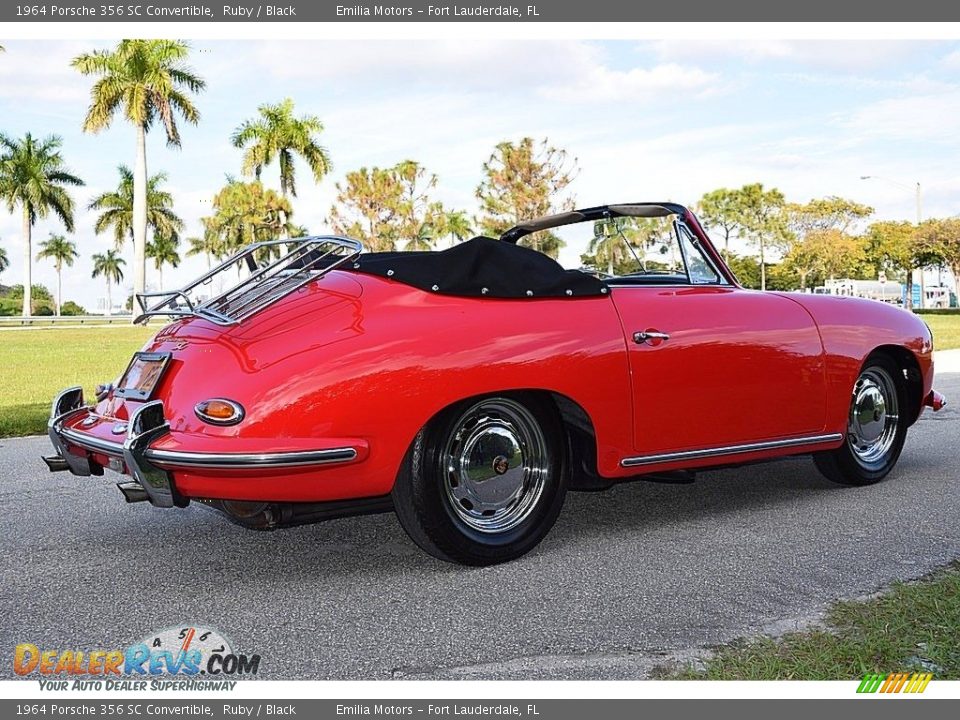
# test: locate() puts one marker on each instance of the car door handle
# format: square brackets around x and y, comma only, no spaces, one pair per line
[647,335]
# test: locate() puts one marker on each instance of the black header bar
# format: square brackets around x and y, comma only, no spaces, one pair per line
[483,11]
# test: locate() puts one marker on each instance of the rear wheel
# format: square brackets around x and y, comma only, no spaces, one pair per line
[876,426]
[484,482]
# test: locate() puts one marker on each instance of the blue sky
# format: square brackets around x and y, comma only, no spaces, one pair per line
[651,120]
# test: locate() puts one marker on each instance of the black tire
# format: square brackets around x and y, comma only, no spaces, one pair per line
[515,448]
[862,459]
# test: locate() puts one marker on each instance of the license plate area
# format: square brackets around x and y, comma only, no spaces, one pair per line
[142,376]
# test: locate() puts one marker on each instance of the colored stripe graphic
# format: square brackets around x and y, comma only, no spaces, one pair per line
[894,683]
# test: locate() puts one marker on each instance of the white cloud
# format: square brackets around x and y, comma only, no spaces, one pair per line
[951,61]
[29,76]
[570,71]
[842,55]
[600,83]
[919,118]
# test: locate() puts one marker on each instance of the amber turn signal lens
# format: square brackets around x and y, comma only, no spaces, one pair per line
[219,411]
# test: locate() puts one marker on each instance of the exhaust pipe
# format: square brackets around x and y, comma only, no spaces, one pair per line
[133,492]
[56,463]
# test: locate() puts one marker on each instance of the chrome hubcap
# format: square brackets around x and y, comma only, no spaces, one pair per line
[872,427]
[495,466]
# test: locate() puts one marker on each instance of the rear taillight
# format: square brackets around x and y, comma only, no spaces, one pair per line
[219,411]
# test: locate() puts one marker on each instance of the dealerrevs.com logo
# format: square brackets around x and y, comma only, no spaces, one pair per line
[189,657]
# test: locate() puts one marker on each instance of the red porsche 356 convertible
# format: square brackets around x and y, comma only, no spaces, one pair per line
[468,389]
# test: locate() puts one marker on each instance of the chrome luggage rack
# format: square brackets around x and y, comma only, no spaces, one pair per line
[305,260]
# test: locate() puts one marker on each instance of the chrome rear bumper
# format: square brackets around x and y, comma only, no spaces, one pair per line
[150,466]
[146,424]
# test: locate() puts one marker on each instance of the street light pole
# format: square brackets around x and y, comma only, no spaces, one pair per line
[918,199]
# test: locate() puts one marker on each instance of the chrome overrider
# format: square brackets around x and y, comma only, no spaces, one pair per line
[148,465]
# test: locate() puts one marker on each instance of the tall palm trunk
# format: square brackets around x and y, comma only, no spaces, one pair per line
[763,266]
[160,274]
[140,214]
[109,299]
[59,288]
[284,233]
[27,264]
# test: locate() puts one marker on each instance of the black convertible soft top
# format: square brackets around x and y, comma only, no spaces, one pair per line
[482,267]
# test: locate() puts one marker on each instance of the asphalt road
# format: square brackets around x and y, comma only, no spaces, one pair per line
[625,577]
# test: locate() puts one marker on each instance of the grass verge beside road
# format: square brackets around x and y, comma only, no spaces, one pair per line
[36,364]
[945,329]
[913,628]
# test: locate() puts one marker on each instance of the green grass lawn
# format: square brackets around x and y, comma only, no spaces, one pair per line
[946,330]
[36,364]
[913,628]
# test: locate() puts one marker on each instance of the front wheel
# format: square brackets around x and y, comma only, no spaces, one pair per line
[876,427]
[484,482]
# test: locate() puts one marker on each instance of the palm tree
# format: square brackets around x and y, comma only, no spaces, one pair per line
[109,265]
[33,176]
[117,207]
[4,260]
[148,81]
[62,252]
[456,225]
[163,250]
[208,246]
[278,135]
[423,240]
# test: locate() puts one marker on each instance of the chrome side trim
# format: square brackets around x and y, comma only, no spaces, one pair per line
[224,461]
[730,450]
[221,461]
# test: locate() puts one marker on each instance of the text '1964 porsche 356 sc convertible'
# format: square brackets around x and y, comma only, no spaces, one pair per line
[468,389]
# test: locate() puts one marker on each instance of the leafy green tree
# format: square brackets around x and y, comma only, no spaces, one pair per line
[763,222]
[62,252]
[720,210]
[523,181]
[823,214]
[110,266]
[746,269]
[38,292]
[34,177]
[388,208]
[277,134]
[892,247]
[940,240]
[245,213]
[72,308]
[163,251]
[148,81]
[819,240]
[116,208]
[827,254]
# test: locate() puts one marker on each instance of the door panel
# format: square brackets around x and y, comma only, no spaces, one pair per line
[739,366]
